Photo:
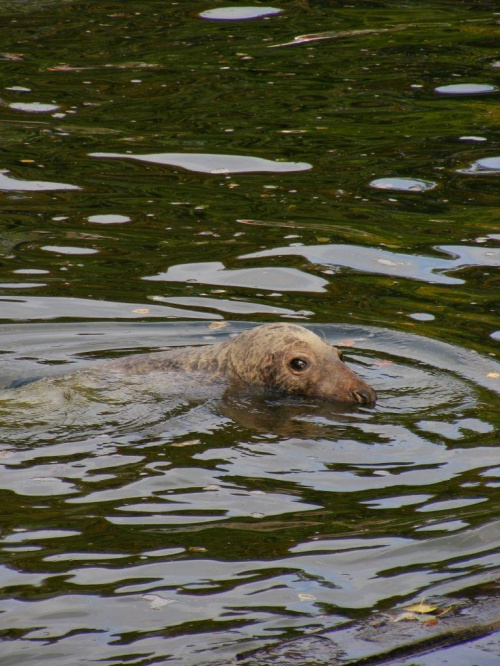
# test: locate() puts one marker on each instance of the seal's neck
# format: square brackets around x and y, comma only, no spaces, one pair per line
[215,359]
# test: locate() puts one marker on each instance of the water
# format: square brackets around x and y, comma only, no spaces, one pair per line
[169,179]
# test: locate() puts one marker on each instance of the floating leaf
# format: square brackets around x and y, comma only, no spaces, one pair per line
[421,608]
[218,324]
[494,375]
[409,616]
[306,597]
[141,311]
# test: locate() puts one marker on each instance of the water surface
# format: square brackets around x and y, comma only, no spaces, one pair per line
[170,177]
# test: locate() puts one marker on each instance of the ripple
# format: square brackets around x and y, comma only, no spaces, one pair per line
[373,260]
[397,502]
[33,107]
[37,535]
[21,285]
[238,13]
[466,89]
[482,166]
[109,219]
[226,305]
[45,307]
[403,184]
[448,526]
[456,429]
[66,249]
[473,139]
[15,185]
[214,164]
[451,505]
[269,279]
[422,316]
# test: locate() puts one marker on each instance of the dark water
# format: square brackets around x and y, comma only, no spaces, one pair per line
[171,179]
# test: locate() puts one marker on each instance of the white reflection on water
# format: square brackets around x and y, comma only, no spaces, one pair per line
[54,307]
[269,278]
[486,165]
[15,185]
[230,306]
[238,13]
[403,184]
[466,89]
[214,164]
[375,260]
[33,107]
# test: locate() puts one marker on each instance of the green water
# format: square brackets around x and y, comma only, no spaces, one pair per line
[149,524]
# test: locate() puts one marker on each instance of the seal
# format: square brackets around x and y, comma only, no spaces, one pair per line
[281,356]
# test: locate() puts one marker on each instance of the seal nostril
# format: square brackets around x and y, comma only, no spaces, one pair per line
[364,397]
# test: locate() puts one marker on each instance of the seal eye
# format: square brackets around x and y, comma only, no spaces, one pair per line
[299,364]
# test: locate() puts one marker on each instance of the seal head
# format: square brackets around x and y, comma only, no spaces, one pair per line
[295,360]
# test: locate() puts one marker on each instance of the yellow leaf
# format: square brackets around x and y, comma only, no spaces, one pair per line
[218,324]
[421,608]
[141,311]
[306,597]
[494,375]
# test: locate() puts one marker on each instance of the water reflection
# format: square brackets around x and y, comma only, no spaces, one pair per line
[403,184]
[269,278]
[230,306]
[375,260]
[46,307]
[486,165]
[111,218]
[68,249]
[13,184]
[21,285]
[466,89]
[214,164]
[33,107]
[239,13]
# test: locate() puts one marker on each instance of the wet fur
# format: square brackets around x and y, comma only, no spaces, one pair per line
[261,357]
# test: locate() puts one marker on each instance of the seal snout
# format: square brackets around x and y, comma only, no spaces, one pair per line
[365,396]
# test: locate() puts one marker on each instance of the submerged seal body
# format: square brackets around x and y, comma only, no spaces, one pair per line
[280,356]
